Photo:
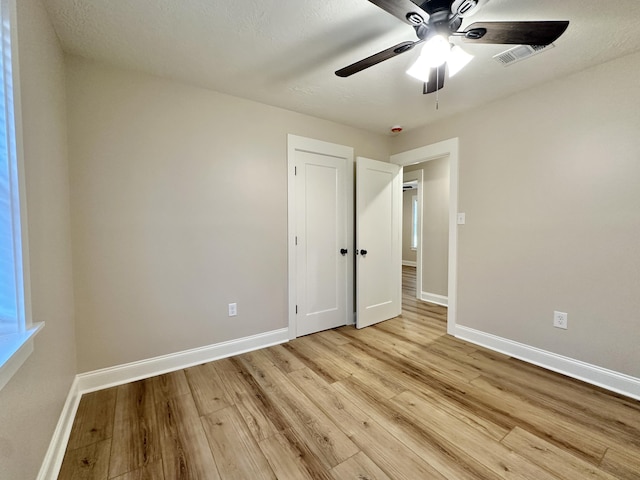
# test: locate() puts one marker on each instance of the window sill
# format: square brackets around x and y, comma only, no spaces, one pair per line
[14,351]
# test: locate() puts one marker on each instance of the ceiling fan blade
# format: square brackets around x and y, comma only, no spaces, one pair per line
[376,58]
[518,33]
[405,10]
[436,80]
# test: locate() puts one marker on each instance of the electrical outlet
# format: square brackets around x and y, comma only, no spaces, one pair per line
[233,309]
[560,320]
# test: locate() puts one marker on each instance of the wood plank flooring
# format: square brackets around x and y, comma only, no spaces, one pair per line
[399,400]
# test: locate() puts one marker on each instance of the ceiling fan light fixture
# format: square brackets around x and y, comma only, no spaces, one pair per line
[436,51]
[420,69]
[457,60]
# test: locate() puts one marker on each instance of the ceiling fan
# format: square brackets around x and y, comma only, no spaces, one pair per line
[435,21]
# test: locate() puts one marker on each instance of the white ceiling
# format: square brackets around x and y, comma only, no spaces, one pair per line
[284,52]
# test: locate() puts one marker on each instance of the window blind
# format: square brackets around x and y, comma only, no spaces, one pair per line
[11,294]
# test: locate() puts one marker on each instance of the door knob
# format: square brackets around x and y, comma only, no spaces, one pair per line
[343,251]
[363,252]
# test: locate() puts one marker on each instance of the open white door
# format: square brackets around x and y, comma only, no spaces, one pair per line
[378,241]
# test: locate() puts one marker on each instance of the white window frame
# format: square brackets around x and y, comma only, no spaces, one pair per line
[414,222]
[15,347]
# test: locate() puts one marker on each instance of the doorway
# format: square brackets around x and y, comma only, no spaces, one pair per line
[446,149]
[426,210]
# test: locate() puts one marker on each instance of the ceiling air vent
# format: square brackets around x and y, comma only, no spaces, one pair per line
[520,52]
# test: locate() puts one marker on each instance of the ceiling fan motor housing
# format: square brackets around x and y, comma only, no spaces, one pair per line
[445,16]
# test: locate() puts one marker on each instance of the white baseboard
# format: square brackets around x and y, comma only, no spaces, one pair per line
[50,467]
[130,372]
[601,377]
[120,374]
[409,263]
[434,298]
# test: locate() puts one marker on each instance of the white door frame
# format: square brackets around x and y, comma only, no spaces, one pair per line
[297,143]
[446,148]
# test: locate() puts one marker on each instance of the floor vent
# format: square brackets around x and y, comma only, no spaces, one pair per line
[520,52]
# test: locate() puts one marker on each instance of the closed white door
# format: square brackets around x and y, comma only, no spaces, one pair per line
[320,236]
[378,241]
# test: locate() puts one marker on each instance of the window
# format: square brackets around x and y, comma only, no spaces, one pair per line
[11,312]
[414,222]
[16,330]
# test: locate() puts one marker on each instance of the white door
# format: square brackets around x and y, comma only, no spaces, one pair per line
[378,241]
[320,186]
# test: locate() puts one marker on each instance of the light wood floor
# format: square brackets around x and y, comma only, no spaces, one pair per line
[400,400]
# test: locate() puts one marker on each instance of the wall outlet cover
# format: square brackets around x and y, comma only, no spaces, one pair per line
[560,320]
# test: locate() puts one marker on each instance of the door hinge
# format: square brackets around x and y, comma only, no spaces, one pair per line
[295,170]
[296,309]
[296,240]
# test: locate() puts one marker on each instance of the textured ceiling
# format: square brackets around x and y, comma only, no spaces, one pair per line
[284,52]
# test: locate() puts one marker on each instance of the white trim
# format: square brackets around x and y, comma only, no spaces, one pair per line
[601,377]
[50,467]
[22,187]
[291,233]
[415,209]
[431,152]
[14,351]
[435,298]
[130,372]
[409,263]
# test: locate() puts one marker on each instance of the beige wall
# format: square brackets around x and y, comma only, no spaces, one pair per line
[179,207]
[549,183]
[32,401]
[408,254]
